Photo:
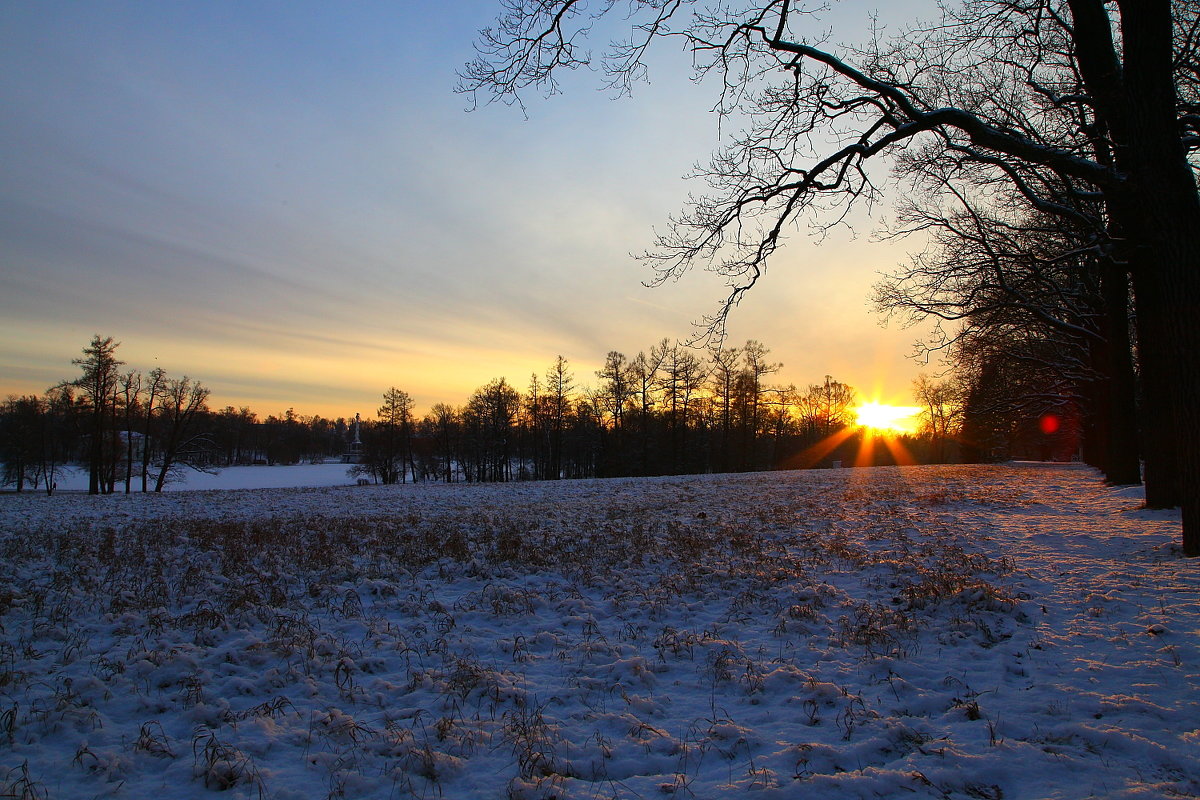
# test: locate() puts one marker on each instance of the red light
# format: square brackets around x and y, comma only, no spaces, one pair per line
[1049,424]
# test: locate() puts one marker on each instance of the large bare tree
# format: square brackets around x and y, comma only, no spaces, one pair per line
[1082,89]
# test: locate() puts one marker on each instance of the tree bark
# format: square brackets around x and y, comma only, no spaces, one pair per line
[1158,207]
[1169,346]
[1166,208]
[1121,463]
[1158,415]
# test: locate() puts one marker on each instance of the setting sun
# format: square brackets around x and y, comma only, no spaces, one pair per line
[898,419]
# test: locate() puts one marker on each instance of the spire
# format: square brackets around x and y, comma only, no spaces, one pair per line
[354,453]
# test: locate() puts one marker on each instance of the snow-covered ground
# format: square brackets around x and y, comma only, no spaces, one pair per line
[292,476]
[1017,631]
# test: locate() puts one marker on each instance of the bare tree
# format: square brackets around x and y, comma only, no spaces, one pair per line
[129,391]
[831,405]
[644,385]
[56,431]
[155,388]
[533,424]
[995,269]
[559,386]
[942,406]
[488,418]
[1028,87]
[98,386]
[723,375]
[21,419]
[755,368]
[615,387]
[611,400]
[388,448]
[684,377]
[182,401]
[445,422]
[1007,387]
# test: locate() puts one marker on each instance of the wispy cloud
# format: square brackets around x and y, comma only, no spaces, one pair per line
[296,202]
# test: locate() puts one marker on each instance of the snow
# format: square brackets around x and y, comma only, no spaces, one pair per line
[290,476]
[1014,631]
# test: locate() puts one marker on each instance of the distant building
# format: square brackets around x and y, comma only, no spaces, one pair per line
[354,454]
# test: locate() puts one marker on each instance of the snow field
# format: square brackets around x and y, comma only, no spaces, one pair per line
[948,632]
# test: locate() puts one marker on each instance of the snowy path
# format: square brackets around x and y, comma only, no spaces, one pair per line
[1116,632]
[1016,631]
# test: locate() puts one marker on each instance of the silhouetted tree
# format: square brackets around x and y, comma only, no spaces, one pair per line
[723,374]
[154,389]
[831,406]
[21,421]
[59,431]
[755,368]
[643,379]
[684,377]
[558,401]
[183,401]
[128,394]
[444,425]
[488,423]
[534,429]
[388,448]
[97,388]
[610,399]
[233,434]
[942,407]
[990,264]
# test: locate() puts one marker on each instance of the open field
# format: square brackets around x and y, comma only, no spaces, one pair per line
[1017,631]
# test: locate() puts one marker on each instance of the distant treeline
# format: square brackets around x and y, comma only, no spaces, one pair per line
[669,410]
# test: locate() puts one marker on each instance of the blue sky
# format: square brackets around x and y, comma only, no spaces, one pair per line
[287,201]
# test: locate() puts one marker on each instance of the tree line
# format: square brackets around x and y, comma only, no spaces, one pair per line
[667,410]
[127,427]
[136,431]
[670,409]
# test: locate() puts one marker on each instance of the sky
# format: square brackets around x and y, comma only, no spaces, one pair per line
[288,202]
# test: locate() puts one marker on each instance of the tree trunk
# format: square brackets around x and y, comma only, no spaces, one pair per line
[1171,294]
[1168,211]
[97,450]
[1121,463]
[161,480]
[1158,208]
[1097,419]
[1158,427]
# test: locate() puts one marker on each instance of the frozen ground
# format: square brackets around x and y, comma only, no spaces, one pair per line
[1016,631]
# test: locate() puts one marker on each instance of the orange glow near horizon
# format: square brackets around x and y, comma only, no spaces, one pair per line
[899,453]
[887,418]
[868,448]
[817,453]
[874,447]
[865,457]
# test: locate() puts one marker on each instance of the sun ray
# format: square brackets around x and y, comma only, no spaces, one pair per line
[899,452]
[813,455]
[866,449]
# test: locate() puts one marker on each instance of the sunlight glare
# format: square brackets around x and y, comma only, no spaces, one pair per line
[880,417]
